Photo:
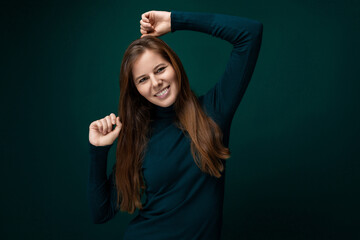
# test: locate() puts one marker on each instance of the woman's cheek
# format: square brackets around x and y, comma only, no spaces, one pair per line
[142,91]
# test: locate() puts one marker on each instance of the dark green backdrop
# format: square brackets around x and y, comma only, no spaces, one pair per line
[294,170]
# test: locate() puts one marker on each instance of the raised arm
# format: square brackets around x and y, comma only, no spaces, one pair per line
[101,190]
[245,35]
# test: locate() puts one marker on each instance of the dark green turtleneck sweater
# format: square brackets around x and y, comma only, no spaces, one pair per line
[183,202]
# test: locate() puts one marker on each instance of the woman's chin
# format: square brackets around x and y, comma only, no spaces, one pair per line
[166,103]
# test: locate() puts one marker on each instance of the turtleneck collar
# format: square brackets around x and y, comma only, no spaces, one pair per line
[163,112]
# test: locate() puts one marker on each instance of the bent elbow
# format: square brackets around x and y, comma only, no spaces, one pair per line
[256,30]
[260,28]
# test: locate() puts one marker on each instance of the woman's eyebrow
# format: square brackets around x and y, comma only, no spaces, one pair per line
[154,69]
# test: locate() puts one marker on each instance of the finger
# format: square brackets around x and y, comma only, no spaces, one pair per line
[146,29]
[104,123]
[109,125]
[145,17]
[99,126]
[143,28]
[143,32]
[93,125]
[113,118]
[145,24]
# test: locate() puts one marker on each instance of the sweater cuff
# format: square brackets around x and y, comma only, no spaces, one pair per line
[172,20]
[176,18]
[99,150]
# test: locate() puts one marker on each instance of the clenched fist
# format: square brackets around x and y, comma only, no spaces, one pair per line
[101,132]
[155,23]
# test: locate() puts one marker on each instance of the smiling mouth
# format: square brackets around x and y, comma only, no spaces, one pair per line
[162,92]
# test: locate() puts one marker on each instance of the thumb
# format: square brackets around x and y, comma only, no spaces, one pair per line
[149,34]
[118,126]
[115,133]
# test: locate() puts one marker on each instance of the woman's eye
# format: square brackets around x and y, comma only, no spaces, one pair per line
[141,80]
[160,69]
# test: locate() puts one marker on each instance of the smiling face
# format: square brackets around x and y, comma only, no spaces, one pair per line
[155,79]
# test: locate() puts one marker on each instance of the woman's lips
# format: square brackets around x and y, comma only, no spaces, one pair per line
[167,89]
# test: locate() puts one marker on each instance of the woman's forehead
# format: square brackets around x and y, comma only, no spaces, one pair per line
[146,62]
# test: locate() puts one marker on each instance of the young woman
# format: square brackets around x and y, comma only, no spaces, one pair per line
[172,145]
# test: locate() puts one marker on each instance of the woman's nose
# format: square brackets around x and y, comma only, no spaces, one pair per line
[156,81]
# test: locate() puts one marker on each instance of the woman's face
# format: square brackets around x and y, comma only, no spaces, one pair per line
[155,79]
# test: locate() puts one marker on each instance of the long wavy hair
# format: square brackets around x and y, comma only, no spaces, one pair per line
[135,113]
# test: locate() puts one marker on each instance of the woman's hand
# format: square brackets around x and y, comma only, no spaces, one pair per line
[101,132]
[155,23]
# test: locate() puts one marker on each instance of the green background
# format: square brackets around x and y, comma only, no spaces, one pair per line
[294,170]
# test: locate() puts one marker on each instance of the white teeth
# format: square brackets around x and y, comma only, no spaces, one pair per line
[163,92]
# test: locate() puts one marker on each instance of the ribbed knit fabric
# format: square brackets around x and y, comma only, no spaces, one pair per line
[182,202]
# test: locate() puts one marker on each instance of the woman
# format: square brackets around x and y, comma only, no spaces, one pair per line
[171,145]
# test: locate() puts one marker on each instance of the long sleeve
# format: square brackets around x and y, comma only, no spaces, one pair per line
[245,35]
[101,190]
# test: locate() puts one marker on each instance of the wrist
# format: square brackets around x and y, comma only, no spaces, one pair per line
[169,21]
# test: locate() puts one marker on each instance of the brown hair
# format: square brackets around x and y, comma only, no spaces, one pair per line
[134,112]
